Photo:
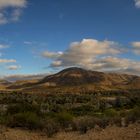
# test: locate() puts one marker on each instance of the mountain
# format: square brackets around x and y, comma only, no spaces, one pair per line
[14,78]
[74,76]
[4,84]
[77,79]
[78,76]
[21,84]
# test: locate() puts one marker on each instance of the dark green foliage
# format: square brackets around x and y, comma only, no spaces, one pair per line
[110,112]
[82,110]
[103,123]
[69,112]
[26,119]
[83,124]
[64,119]
[133,115]
[22,107]
[51,127]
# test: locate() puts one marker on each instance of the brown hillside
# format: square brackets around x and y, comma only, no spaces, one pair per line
[76,79]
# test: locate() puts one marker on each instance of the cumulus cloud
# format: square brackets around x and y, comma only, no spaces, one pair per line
[95,55]
[83,53]
[16,7]
[48,54]
[12,3]
[7,61]
[116,64]
[136,47]
[13,67]
[137,3]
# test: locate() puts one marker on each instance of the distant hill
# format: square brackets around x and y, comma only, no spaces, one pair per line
[74,76]
[78,76]
[21,84]
[75,79]
[4,84]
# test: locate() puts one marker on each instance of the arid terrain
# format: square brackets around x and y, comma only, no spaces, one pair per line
[132,132]
[72,104]
[76,79]
[69,69]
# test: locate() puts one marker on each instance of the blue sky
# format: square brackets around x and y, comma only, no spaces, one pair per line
[41,36]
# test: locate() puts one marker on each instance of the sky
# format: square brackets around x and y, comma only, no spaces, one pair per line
[44,36]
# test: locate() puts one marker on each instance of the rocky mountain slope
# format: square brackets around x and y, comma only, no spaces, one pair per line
[76,78]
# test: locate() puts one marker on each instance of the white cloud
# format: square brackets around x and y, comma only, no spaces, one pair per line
[95,55]
[115,64]
[137,3]
[56,63]
[28,42]
[136,47]
[12,3]
[84,52]
[51,55]
[7,61]
[16,10]
[13,67]
[3,19]
[3,46]
[136,44]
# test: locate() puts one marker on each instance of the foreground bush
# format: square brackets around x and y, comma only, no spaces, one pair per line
[26,119]
[22,107]
[110,112]
[51,127]
[133,115]
[64,119]
[83,124]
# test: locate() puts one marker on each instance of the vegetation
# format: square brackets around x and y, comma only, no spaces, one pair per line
[69,112]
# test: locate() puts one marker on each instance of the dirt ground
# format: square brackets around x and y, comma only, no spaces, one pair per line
[132,132]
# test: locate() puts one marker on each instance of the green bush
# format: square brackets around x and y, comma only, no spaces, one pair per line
[82,110]
[133,115]
[2,119]
[103,122]
[83,124]
[26,119]
[111,112]
[51,127]
[64,119]
[22,107]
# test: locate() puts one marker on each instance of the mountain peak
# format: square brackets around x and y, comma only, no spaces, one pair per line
[74,76]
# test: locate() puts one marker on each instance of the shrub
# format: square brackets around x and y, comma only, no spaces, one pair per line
[26,119]
[83,124]
[83,110]
[22,107]
[2,119]
[133,115]
[51,127]
[117,121]
[64,119]
[111,112]
[103,122]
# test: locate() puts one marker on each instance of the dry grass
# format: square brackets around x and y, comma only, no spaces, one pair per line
[131,132]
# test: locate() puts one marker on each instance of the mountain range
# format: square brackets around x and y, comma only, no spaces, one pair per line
[76,79]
